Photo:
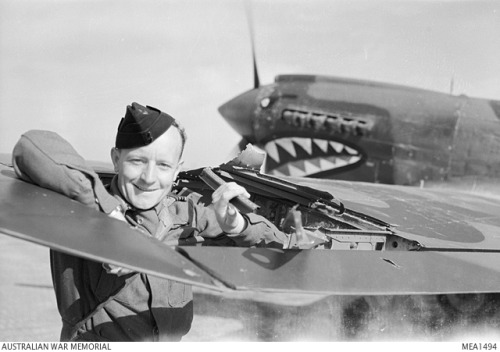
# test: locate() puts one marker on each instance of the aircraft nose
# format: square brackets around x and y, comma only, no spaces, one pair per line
[239,112]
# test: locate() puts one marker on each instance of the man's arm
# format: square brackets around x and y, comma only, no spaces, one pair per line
[245,230]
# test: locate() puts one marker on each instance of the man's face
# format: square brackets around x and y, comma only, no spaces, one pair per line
[146,174]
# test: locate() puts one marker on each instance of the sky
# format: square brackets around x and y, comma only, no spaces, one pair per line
[72,66]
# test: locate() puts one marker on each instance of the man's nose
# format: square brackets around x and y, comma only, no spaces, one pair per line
[149,173]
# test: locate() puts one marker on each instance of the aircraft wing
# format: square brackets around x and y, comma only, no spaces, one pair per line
[47,218]
[444,219]
[350,272]
[457,233]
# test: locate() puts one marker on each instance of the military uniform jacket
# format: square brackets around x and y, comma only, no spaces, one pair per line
[99,306]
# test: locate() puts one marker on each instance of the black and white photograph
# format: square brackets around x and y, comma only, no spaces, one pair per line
[249,171]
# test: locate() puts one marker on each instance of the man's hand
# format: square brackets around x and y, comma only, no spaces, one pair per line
[230,220]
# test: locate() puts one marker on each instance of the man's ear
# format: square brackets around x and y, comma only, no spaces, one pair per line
[115,157]
[178,168]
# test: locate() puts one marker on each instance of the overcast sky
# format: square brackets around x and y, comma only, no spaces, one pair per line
[72,66]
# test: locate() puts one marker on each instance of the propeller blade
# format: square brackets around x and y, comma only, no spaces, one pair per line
[248,13]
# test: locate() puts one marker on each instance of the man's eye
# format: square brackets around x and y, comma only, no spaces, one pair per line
[164,166]
[136,161]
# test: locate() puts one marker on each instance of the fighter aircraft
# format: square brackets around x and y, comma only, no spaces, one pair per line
[371,247]
[325,128]
[331,127]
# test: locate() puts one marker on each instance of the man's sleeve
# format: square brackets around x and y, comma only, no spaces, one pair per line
[258,232]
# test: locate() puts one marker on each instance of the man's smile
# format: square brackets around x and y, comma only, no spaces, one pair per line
[142,189]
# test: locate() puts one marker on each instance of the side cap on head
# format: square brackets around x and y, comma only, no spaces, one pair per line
[141,126]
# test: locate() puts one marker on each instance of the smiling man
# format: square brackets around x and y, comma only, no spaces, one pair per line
[100,302]
[146,174]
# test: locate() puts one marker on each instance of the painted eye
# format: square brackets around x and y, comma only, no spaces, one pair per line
[265,102]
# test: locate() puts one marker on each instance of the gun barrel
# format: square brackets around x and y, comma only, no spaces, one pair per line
[243,204]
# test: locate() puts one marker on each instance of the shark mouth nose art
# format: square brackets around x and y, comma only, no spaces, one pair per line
[308,156]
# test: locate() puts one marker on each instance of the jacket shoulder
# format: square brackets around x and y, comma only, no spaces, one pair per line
[186,195]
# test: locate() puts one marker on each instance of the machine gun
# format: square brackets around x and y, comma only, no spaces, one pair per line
[310,217]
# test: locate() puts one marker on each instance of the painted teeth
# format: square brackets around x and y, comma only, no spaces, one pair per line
[305,156]
[322,144]
[287,144]
[272,151]
[310,167]
[339,147]
[351,151]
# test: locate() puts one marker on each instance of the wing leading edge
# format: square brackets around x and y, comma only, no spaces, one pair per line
[44,217]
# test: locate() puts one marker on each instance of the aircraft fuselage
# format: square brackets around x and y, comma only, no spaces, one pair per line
[358,130]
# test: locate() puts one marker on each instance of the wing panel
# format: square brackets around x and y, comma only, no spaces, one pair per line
[50,219]
[351,272]
[436,218]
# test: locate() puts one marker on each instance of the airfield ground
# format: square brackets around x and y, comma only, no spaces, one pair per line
[28,311]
